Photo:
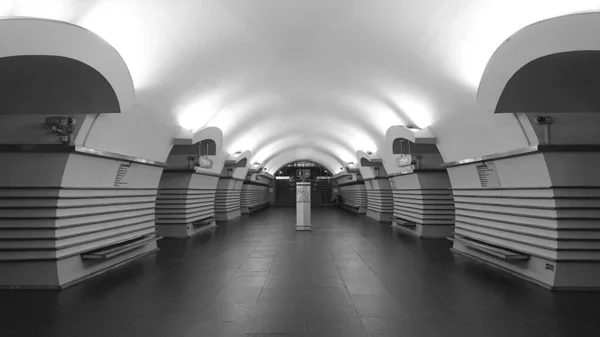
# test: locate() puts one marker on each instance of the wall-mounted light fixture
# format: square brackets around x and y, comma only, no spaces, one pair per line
[369,153]
[237,152]
[256,164]
[351,163]
[413,128]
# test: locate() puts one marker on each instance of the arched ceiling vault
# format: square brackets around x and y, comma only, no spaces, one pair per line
[302,160]
[333,161]
[303,154]
[327,75]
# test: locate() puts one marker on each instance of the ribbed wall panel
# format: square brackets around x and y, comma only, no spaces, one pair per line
[533,221]
[228,199]
[254,195]
[57,206]
[51,223]
[380,199]
[423,204]
[424,207]
[355,196]
[185,204]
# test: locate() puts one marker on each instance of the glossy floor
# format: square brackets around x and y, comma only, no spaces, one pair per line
[258,277]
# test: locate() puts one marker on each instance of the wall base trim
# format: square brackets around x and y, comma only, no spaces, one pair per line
[425,231]
[81,279]
[379,216]
[183,231]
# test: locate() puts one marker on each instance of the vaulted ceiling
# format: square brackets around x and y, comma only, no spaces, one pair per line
[308,79]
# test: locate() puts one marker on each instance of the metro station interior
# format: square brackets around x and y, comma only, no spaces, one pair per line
[150,152]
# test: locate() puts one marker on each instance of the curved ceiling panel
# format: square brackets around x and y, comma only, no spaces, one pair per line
[42,84]
[563,82]
[276,75]
[543,72]
[64,41]
[301,154]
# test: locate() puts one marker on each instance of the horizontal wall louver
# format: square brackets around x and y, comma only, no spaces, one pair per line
[228,199]
[51,223]
[556,224]
[354,196]
[254,195]
[184,206]
[380,199]
[423,204]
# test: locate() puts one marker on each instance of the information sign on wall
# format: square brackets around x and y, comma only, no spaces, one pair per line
[488,176]
[124,174]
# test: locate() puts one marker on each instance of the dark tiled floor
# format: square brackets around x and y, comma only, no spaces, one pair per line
[257,277]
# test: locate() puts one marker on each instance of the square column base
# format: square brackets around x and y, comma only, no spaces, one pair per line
[304,227]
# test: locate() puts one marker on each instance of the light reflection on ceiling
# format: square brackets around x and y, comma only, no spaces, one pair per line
[288,79]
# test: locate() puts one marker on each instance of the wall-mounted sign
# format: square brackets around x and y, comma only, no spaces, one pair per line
[124,174]
[488,176]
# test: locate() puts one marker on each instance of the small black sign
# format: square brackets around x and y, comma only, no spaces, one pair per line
[549,266]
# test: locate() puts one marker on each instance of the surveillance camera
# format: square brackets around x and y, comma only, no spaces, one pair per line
[539,120]
[71,120]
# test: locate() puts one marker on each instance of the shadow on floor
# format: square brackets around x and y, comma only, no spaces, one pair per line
[350,277]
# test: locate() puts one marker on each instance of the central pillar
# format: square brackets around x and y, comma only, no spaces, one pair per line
[303,206]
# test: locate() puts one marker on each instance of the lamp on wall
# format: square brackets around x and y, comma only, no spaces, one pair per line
[204,161]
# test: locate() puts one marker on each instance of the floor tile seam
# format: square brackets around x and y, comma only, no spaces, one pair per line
[351,300]
[266,278]
[235,271]
[347,290]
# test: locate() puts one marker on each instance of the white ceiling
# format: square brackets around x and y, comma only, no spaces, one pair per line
[307,79]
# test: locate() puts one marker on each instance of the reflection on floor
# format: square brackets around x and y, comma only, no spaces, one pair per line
[258,277]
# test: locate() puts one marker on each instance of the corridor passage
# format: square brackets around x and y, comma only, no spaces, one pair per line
[258,277]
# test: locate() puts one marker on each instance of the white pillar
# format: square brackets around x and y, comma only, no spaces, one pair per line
[303,206]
